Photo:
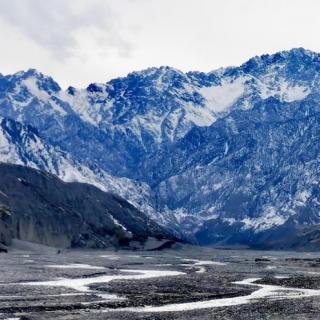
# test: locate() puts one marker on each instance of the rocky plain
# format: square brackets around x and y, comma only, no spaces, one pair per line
[182,282]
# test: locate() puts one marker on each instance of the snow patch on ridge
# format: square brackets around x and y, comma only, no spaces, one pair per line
[117,223]
[80,103]
[31,84]
[220,98]
[284,90]
[268,220]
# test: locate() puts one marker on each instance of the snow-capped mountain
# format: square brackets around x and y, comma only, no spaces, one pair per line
[215,154]
[251,170]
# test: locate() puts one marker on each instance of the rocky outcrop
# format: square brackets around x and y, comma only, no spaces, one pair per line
[39,207]
[5,225]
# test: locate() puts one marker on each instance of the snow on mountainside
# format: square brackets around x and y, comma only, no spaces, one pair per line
[128,118]
[21,144]
[201,149]
[249,171]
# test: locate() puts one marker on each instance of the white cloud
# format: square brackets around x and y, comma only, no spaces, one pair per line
[81,41]
[57,25]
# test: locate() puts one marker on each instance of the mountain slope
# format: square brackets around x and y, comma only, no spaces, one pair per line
[250,172]
[22,144]
[220,157]
[46,210]
[118,124]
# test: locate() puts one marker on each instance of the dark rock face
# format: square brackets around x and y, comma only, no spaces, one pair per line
[38,207]
[5,226]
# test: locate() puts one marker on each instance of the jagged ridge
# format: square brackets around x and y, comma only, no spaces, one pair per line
[177,134]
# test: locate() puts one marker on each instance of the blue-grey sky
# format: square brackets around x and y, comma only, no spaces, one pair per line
[83,41]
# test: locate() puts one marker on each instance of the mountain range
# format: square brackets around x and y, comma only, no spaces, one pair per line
[225,157]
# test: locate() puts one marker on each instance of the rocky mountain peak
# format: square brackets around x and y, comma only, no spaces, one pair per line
[207,152]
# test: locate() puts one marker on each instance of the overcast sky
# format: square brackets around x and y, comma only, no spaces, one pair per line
[83,41]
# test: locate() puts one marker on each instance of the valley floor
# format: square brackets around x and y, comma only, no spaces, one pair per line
[182,283]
